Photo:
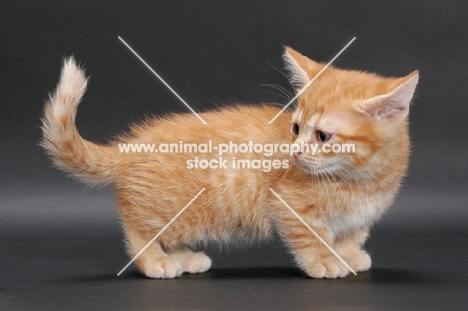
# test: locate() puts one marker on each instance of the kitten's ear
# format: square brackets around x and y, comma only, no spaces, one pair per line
[394,104]
[299,67]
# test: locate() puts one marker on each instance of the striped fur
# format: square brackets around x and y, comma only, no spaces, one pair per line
[339,195]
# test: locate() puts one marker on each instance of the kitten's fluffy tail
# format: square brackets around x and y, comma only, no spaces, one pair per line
[89,162]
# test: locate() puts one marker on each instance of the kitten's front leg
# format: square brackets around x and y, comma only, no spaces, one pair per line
[310,253]
[350,248]
[192,262]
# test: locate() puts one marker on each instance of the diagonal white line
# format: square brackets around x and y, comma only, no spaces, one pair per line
[311,81]
[160,232]
[313,231]
[162,80]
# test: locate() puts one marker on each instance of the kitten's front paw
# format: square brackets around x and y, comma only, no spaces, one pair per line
[329,267]
[359,261]
[164,268]
[195,262]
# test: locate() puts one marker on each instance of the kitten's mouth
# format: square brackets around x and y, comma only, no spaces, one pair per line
[315,168]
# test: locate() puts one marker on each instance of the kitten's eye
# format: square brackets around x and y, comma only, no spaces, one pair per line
[323,136]
[295,128]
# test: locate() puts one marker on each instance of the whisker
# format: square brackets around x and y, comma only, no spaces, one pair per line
[278,94]
[285,173]
[275,104]
[285,92]
[285,75]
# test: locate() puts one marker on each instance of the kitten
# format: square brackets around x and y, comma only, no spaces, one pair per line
[340,195]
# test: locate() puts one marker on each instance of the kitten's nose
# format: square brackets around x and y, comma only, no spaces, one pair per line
[296,154]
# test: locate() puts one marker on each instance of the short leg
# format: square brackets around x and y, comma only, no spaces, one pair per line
[350,248]
[310,253]
[153,262]
[192,262]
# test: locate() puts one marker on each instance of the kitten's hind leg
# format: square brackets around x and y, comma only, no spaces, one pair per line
[192,262]
[153,262]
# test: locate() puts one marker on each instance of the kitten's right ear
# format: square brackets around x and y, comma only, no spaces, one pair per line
[297,65]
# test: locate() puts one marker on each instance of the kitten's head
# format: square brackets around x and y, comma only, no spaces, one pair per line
[349,107]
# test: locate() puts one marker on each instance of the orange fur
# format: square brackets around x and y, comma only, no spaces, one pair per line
[339,195]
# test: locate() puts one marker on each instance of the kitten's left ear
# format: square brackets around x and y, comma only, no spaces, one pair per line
[394,104]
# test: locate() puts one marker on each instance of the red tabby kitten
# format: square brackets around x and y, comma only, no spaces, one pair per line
[340,195]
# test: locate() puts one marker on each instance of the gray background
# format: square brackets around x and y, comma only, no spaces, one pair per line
[60,243]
